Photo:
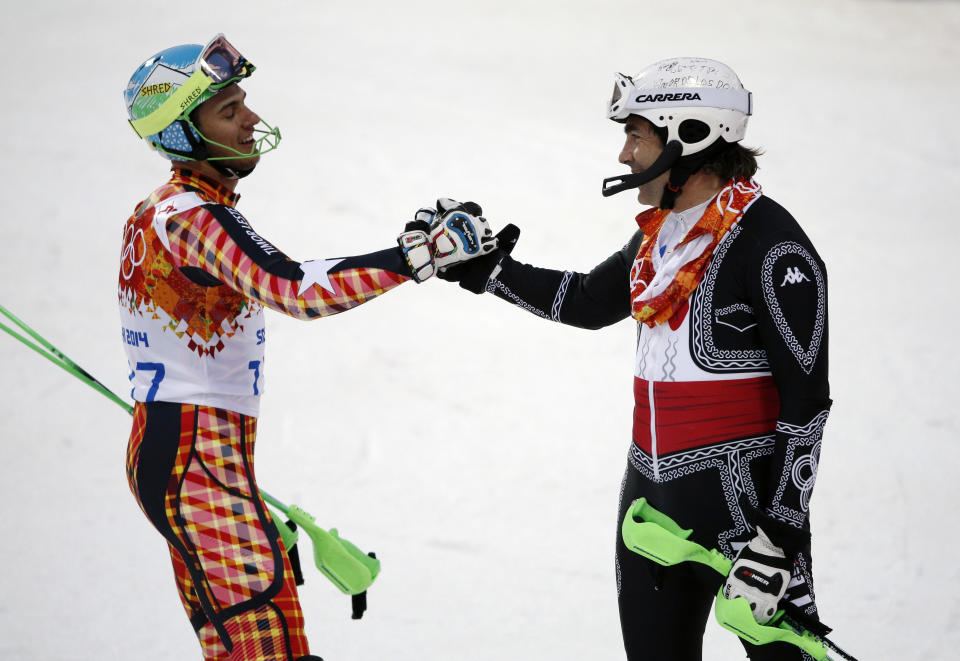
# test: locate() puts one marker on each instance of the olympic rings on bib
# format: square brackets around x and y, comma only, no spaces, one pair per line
[128,258]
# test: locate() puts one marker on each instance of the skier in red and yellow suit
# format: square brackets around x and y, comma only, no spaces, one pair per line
[194,280]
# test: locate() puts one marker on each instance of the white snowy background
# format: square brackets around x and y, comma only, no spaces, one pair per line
[477,448]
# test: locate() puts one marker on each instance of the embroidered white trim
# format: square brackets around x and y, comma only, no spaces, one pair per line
[799,469]
[561,295]
[493,285]
[807,357]
[704,352]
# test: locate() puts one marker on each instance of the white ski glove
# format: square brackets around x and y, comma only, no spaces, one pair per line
[417,250]
[760,575]
[458,232]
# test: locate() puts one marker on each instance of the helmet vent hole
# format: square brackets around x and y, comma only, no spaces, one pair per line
[692,131]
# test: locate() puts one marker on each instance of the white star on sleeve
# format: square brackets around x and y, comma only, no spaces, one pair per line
[316,272]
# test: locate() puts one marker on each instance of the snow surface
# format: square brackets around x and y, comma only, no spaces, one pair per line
[477,448]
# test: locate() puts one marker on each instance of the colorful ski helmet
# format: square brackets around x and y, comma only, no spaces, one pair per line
[169,86]
[698,105]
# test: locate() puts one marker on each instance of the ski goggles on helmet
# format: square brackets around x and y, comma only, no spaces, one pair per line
[223,63]
[218,65]
[629,99]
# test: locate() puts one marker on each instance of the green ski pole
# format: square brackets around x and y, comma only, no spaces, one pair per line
[345,565]
[55,356]
[654,535]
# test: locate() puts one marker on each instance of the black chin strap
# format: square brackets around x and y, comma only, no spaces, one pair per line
[228,172]
[670,155]
[681,169]
[685,168]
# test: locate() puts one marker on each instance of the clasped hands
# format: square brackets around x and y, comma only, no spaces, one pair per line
[441,239]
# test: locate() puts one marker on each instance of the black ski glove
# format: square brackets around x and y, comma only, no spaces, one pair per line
[474,275]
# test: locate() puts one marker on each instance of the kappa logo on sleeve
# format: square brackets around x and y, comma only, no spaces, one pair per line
[796,310]
[794,276]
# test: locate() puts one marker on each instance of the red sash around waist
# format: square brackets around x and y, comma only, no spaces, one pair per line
[695,413]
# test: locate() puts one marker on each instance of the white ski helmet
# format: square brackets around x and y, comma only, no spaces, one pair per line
[697,100]
[699,106]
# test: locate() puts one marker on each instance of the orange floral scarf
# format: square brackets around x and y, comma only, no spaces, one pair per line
[683,267]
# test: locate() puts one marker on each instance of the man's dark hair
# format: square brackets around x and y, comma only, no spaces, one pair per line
[736,161]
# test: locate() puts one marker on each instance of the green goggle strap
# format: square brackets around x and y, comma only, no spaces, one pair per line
[183,99]
[654,535]
[175,106]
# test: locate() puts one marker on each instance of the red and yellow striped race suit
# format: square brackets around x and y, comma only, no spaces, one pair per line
[194,280]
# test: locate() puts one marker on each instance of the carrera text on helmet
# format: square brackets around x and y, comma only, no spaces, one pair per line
[684,96]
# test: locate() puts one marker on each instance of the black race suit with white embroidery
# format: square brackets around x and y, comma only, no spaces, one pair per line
[731,397]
